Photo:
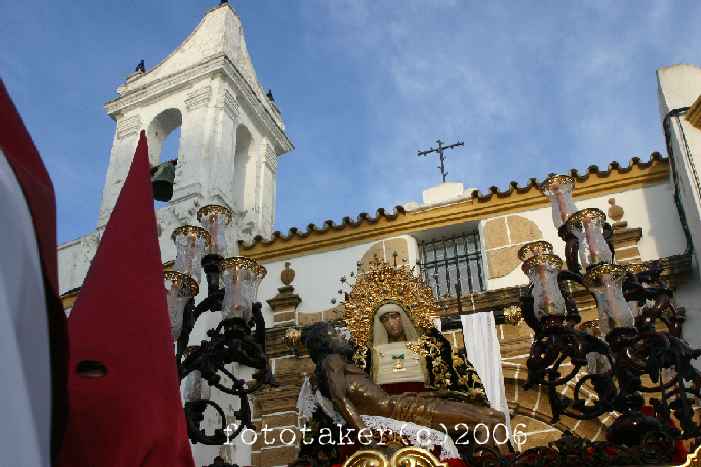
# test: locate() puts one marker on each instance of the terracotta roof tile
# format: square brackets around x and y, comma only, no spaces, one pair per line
[514,187]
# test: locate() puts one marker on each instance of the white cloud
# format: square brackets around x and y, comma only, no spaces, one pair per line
[531,88]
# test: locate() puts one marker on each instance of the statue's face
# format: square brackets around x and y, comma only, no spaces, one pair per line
[392,322]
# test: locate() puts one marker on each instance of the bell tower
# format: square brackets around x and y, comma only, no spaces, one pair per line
[231,132]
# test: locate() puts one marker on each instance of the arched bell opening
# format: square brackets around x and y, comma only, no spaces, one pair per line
[244,170]
[164,149]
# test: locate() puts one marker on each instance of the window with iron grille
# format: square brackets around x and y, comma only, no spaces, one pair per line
[453,264]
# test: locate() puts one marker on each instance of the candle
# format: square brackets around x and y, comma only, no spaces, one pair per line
[558,189]
[587,226]
[542,270]
[190,243]
[605,281]
[215,218]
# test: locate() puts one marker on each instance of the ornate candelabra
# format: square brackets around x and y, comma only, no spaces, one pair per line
[232,287]
[635,348]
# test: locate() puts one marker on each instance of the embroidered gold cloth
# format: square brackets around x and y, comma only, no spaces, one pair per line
[395,363]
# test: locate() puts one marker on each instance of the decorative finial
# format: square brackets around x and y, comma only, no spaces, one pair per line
[269,95]
[287,275]
[616,214]
[140,67]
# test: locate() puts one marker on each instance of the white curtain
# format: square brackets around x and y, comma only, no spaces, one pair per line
[484,352]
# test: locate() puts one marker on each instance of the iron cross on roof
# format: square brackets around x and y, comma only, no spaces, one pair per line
[440,149]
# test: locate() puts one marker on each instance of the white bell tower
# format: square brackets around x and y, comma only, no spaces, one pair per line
[231,133]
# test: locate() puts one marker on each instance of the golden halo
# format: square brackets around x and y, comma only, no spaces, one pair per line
[382,284]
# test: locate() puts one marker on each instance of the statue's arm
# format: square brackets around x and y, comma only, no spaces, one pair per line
[334,368]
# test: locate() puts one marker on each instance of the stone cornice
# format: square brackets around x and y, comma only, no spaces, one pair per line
[627,236]
[198,98]
[230,105]
[285,298]
[693,116]
[594,183]
[276,131]
[270,158]
[488,300]
[128,126]
[184,78]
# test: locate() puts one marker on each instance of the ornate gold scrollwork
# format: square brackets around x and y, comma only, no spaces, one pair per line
[405,457]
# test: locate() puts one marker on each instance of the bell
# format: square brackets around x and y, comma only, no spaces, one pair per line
[162,177]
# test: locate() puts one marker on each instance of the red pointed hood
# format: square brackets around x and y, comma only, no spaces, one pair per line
[37,191]
[133,415]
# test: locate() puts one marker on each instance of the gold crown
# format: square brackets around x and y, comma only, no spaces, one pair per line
[382,283]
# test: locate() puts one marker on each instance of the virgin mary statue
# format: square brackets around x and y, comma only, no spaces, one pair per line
[389,314]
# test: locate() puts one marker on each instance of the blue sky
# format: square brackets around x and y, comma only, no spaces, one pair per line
[531,87]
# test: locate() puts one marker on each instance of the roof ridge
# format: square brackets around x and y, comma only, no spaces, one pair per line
[328,225]
[514,187]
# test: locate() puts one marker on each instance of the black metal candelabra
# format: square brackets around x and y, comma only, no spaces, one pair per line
[640,350]
[232,285]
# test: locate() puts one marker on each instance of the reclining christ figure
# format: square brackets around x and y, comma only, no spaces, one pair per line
[353,392]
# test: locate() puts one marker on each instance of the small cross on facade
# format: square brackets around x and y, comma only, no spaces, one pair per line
[440,150]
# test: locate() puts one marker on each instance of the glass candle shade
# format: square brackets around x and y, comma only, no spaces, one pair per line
[542,270]
[241,277]
[191,242]
[558,189]
[195,388]
[537,248]
[605,282]
[634,269]
[597,363]
[588,226]
[215,218]
[180,288]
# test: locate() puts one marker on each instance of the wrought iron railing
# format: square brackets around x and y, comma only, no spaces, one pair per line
[453,266]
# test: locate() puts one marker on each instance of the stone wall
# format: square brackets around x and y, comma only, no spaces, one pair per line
[503,236]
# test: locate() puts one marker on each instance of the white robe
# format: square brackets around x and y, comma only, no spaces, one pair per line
[25,369]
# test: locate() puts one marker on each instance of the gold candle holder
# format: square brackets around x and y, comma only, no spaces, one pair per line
[558,189]
[191,242]
[588,226]
[215,218]
[242,277]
